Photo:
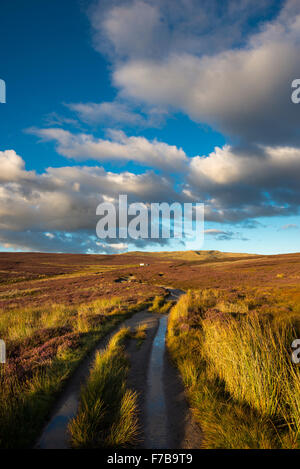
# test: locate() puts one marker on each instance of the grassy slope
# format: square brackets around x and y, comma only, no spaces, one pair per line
[190,255]
[239,380]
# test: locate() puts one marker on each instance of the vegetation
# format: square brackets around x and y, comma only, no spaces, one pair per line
[235,364]
[140,334]
[160,305]
[107,415]
[44,346]
[54,308]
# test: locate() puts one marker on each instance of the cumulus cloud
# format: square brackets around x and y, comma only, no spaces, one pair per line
[240,85]
[131,29]
[143,33]
[235,183]
[244,185]
[56,210]
[143,28]
[271,167]
[12,167]
[119,148]
[243,93]
[118,113]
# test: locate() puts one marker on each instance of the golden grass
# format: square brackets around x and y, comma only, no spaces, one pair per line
[250,357]
[236,368]
[140,333]
[107,414]
[30,399]
[160,305]
[16,325]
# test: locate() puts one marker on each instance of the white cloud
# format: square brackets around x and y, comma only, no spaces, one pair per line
[131,28]
[143,28]
[152,44]
[238,185]
[119,148]
[113,112]
[36,209]
[244,92]
[118,113]
[47,211]
[12,167]
[270,167]
[118,247]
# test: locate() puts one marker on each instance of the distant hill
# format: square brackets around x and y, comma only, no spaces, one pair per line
[191,255]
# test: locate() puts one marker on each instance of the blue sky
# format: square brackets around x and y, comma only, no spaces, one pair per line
[185,102]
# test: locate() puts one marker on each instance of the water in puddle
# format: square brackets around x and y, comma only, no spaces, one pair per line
[156,411]
[54,435]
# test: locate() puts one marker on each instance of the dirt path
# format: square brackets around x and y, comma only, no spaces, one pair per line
[55,434]
[165,418]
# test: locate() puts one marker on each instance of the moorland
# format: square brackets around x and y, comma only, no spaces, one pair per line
[229,339]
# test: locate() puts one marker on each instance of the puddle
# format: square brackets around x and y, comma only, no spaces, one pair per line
[156,410]
[55,435]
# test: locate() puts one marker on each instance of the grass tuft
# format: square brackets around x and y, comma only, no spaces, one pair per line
[107,415]
[160,305]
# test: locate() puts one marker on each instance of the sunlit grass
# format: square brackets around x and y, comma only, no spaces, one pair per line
[22,323]
[140,334]
[242,387]
[107,415]
[249,356]
[160,305]
[24,400]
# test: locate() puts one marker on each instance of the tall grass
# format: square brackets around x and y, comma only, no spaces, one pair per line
[249,355]
[107,415]
[30,399]
[291,393]
[242,386]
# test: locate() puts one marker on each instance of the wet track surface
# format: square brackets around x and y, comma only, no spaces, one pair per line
[165,418]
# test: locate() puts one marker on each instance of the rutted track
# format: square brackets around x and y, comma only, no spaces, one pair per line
[168,420]
[55,434]
[165,418]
